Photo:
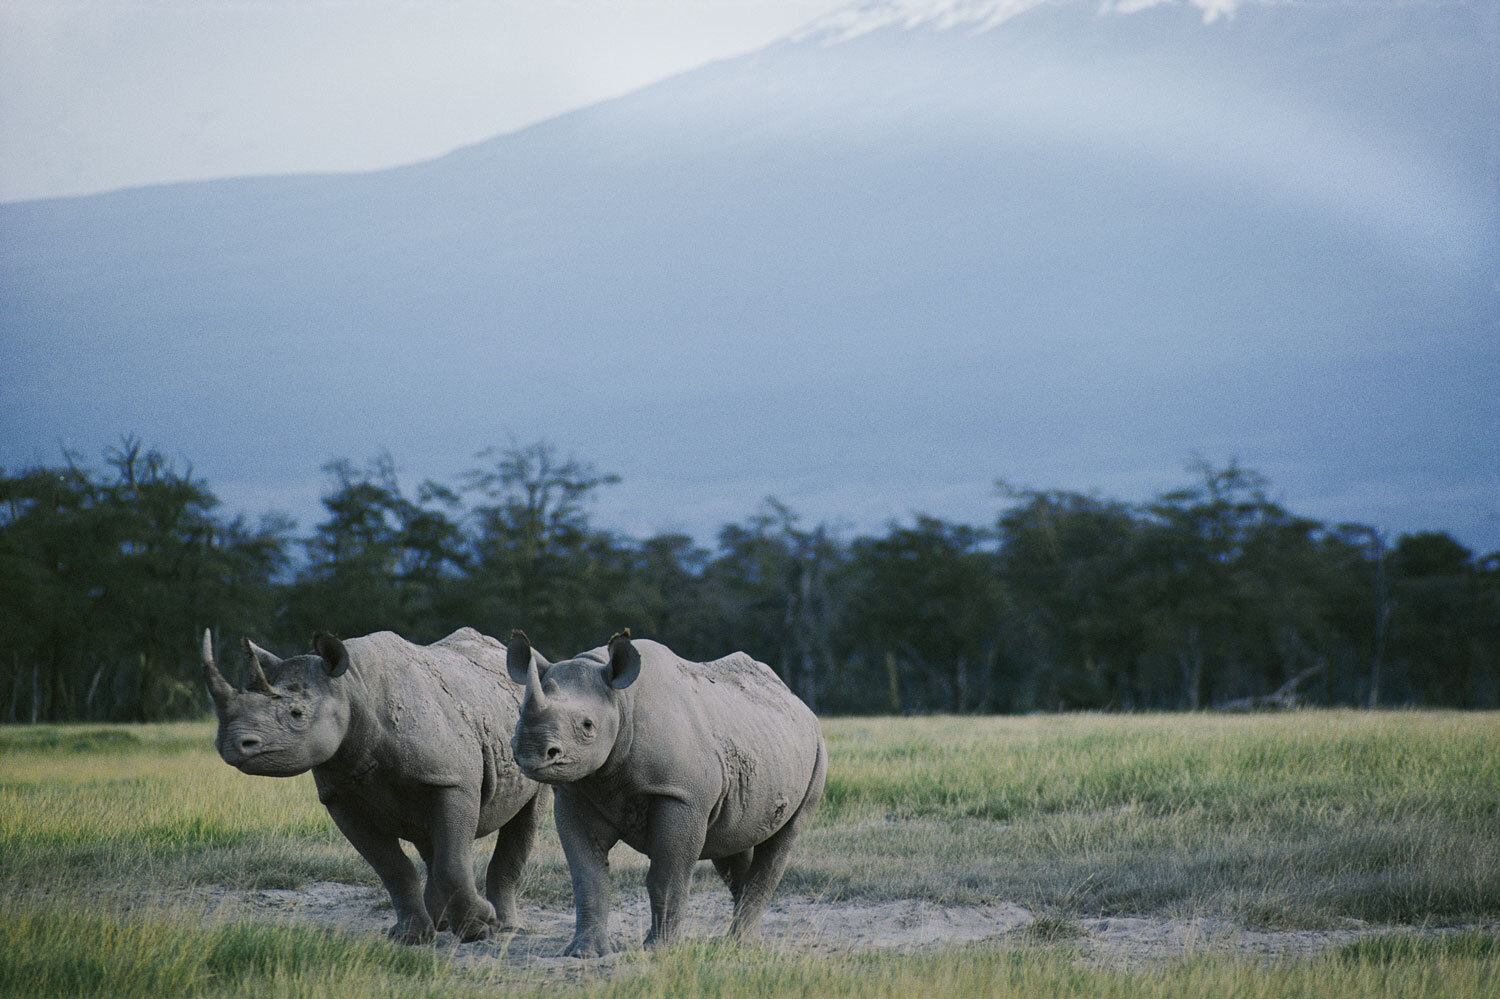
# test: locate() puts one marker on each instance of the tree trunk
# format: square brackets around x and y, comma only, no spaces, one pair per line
[1382,620]
[1190,659]
[88,702]
[894,678]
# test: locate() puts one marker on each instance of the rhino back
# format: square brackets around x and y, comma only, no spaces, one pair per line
[735,718]
[437,714]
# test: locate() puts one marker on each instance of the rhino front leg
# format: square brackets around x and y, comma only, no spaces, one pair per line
[451,874]
[586,842]
[512,846]
[396,871]
[676,841]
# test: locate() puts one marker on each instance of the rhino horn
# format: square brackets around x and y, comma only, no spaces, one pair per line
[255,653]
[520,662]
[535,699]
[217,685]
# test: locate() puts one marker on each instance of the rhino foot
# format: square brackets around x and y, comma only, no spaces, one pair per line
[472,931]
[655,940]
[413,930]
[590,944]
[477,924]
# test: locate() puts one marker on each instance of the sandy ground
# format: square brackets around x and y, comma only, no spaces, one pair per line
[796,926]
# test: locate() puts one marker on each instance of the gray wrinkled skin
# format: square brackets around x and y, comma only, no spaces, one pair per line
[682,761]
[405,742]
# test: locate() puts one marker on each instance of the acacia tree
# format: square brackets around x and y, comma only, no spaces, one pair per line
[925,600]
[380,561]
[1069,565]
[664,595]
[536,563]
[1444,628]
[771,585]
[108,581]
[1200,587]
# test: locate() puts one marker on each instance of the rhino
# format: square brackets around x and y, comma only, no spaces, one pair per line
[683,761]
[405,742]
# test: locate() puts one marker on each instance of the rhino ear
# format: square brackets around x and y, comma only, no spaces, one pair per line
[335,657]
[518,653]
[624,661]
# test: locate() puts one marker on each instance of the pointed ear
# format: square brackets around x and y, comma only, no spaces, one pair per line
[335,657]
[624,661]
[518,653]
[260,661]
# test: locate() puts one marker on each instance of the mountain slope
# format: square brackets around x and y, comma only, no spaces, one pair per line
[866,275]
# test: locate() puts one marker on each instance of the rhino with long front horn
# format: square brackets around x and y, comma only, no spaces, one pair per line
[405,742]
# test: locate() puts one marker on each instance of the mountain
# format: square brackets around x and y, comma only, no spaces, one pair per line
[868,269]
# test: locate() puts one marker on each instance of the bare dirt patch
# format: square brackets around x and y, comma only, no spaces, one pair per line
[794,925]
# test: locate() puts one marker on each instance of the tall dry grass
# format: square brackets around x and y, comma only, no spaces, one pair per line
[1309,819]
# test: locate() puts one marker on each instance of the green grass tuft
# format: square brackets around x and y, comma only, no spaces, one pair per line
[1308,820]
[1408,948]
[51,950]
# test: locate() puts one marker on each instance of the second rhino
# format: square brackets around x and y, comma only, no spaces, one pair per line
[683,761]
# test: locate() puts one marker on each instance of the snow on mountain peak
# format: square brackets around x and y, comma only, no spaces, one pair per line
[975,16]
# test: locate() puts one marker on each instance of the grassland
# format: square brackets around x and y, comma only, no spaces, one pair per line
[1384,822]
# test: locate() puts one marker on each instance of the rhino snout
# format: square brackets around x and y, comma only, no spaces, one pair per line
[536,760]
[237,747]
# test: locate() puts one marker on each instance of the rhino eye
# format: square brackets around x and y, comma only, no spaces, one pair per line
[588,725]
[297,713]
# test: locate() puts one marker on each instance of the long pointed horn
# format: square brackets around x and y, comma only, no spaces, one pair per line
[258,681]
[534,697]
[218,687]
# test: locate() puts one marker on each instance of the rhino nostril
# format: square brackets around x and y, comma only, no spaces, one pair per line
[249,743]
[553,752]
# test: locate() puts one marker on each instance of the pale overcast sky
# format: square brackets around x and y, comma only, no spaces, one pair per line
[102,94]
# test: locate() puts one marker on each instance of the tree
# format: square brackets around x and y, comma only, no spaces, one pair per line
[1440,631]
[380,561]
[536,562]
[110,581]
[927,598]
[771,584]
[1070,566]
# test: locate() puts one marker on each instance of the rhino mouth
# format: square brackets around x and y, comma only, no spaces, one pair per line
[558,770]
[259,762]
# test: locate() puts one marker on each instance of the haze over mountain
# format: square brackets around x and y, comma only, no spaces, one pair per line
[869,270]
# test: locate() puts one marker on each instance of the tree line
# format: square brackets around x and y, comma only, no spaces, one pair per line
[1211,595]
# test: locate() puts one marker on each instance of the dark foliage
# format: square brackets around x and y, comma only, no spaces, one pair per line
[1208,596]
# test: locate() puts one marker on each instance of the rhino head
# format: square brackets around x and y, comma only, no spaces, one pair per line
[290,717]
[573,710]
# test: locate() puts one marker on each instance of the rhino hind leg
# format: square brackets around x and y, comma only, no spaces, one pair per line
[431,900]
[512,846]
[769,861]
[733,869]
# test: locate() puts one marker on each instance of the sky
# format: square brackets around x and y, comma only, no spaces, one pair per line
[97,95]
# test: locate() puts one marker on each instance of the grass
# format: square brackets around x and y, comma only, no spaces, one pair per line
[131,957]
[1304,820]
[1313,819]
